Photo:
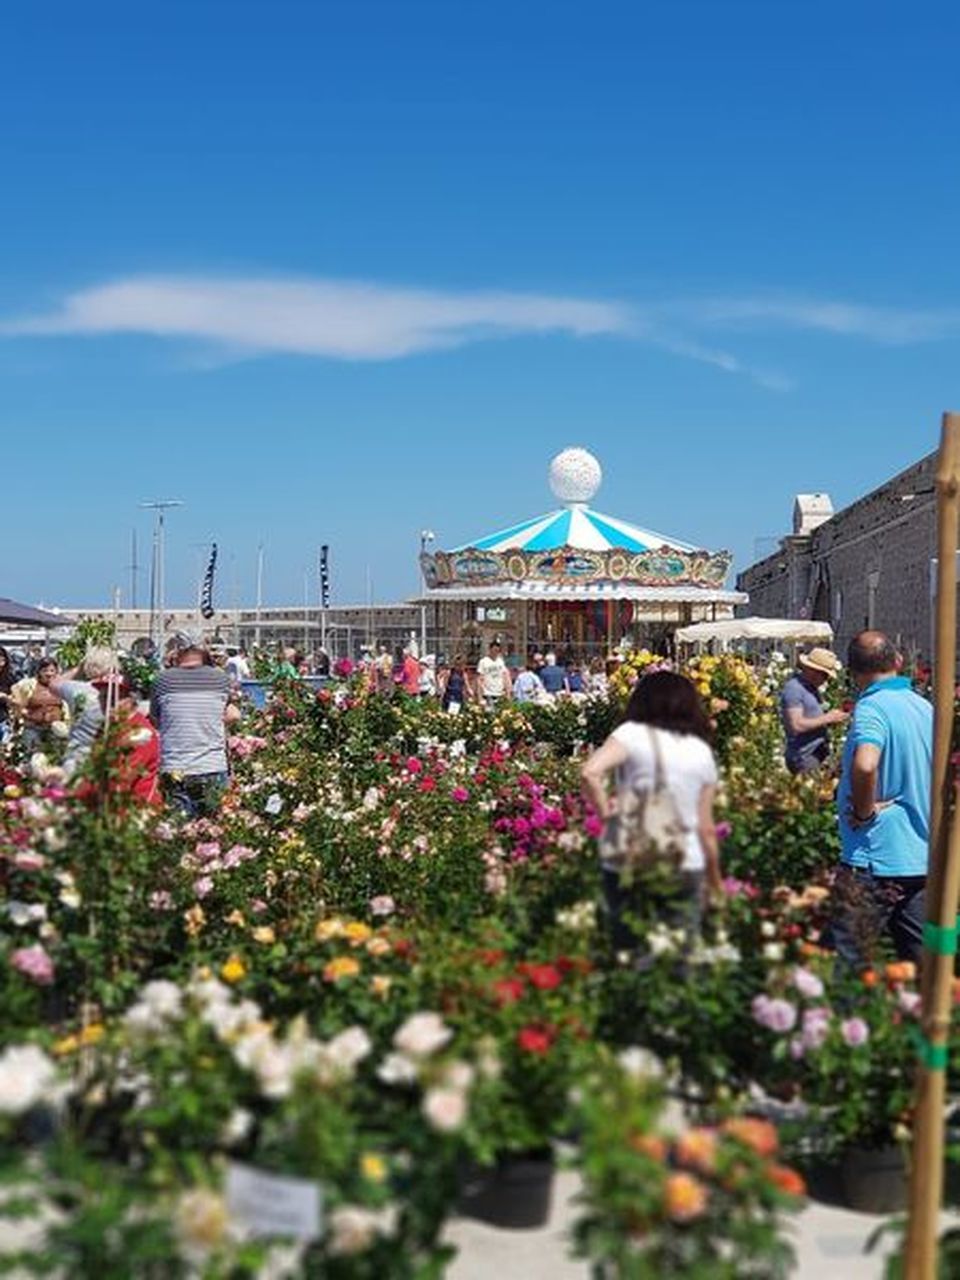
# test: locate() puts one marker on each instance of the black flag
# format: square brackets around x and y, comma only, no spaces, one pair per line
[324,576]
[206,591]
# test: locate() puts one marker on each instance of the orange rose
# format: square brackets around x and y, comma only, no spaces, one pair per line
[648,1144]
[697,1148]
[869,978]
[787,1180]
[685,1197]
[902,971]
[759,1135]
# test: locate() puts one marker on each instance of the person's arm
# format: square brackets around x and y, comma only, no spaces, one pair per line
[593,775]
[797,722]
[507,682]
[863,782]
[707,831]
[231,714]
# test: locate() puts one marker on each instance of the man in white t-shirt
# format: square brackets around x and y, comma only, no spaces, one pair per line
[494,677]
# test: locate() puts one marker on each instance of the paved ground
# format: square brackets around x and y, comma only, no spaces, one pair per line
[829,1243]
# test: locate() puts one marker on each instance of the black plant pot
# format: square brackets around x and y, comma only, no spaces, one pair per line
[874,1179]
[515,1195]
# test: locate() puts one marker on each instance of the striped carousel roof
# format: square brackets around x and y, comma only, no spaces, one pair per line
[575,526]
[575,476]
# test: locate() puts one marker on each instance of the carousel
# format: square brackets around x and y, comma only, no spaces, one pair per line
[574,579]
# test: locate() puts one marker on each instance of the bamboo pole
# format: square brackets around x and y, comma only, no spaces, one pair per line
[943,884]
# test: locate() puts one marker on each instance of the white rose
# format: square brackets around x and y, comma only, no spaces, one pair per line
[201,1222]
[446,1109]
[422,1035]
[458,1075]
[237,1126]
[397,1069]
[164,998]
[24,913]
[352,1230]
[641,1064]
[773,951]
[27,1077]
[349,1048]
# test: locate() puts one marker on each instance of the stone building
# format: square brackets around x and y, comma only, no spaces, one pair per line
[868,565]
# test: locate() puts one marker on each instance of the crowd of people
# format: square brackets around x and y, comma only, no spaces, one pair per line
[495,679]
[653,781]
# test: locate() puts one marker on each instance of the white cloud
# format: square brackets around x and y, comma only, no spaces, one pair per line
[888,325]
[340,320]
[350,320]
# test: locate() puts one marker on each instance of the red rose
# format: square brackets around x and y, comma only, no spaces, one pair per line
[428,784]
[544,976]
[535,1039]
[508,990]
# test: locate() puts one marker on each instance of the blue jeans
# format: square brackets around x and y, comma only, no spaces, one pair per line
[197,795]
[867,908]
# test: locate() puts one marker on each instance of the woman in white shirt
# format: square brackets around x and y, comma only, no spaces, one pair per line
[667,705]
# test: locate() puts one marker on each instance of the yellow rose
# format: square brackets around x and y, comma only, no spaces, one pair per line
[356,931]
[373,1167]
[237,918]
[379,947]
[380,985]
[341,967]
[233,970]
[264,933]
[194,919]
[328,929]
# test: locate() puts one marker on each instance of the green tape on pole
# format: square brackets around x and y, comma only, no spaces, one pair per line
[941,939]
[934,1057]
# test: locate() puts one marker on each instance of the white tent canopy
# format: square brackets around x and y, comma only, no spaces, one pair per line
[772,630]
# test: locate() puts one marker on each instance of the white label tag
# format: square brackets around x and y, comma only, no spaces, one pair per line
[270,1205]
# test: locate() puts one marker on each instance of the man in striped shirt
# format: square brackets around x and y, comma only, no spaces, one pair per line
[190,705]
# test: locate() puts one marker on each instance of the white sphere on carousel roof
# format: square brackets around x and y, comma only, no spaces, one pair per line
[575,475]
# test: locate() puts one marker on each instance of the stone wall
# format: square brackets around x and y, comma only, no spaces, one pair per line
[869,565]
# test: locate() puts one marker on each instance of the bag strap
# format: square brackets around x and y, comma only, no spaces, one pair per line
[659,771]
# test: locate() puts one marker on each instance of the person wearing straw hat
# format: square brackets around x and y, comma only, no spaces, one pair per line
[805,723]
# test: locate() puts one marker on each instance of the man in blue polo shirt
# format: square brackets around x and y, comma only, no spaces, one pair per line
[884,807]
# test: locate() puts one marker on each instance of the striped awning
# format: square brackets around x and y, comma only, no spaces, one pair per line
[577,526]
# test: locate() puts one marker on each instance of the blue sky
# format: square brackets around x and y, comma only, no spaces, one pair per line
[333,272]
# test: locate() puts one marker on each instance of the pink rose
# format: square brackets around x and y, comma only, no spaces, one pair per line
[203,886]
[382,905]
[855,1032]
[29,860]
[460,794]
[592,825]
[807,983]
[776,1015]
[33,963]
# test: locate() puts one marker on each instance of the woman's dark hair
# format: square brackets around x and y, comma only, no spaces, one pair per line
[6,673]
[666,700]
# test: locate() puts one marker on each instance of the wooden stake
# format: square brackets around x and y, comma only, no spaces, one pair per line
[943,885]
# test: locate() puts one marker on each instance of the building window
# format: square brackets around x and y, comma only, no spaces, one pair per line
[837,607]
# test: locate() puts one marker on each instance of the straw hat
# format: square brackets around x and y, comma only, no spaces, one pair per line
[821,660]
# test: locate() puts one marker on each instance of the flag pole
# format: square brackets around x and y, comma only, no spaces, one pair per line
[943,886]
